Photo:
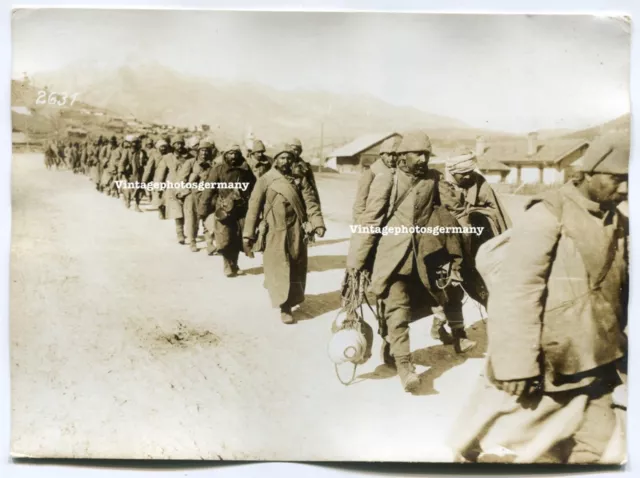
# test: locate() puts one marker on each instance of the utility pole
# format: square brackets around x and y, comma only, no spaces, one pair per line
[321,165]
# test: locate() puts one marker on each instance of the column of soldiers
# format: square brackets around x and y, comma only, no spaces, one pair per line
[280,205]
[549,392]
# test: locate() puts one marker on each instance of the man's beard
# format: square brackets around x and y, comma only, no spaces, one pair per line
[418,170]
[233,161]
[284,169]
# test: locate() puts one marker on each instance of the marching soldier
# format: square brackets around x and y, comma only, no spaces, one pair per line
[193,146]
[131,169]
[206,154]
[110,161]
[291,214]
[259,162]
[179,164]
[150,151]
[93,162]
[156,172]
[199,174]
[49,156]
[407,267]
[68,155]
[471,192]
[229,205]
[557,324]
[302,168]
[386,161]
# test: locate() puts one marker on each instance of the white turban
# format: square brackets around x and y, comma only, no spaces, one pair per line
[462,163]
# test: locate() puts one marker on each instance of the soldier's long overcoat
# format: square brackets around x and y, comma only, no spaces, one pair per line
[285,254]
[179,169]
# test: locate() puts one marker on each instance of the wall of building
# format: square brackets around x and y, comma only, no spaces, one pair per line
[492,177]
[552,176]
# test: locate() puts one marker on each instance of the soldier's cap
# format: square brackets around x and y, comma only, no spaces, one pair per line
[608,154]
[283,148]
[414,142]
[232,147]
[193,142]
[258,146]
[205,144]
[160,143]
[295,143]
[113,139]
[131,138]
[177,139]
[390,145]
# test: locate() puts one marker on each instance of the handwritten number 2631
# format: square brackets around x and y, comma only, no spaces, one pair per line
[59,99]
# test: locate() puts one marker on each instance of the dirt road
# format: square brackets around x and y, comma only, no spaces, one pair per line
[128,345]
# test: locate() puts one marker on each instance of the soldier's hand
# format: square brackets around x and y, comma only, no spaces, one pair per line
[320,231]
[516,387]
[247,241]
[456,277]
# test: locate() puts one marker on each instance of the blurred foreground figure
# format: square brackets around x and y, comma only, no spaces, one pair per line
[556,364]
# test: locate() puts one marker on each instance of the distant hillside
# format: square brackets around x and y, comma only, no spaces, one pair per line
[623,123]
[153,93]
[40,120]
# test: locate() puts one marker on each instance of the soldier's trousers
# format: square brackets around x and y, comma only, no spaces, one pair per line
[407,294]
[229,240]
[131,194]
[190,215]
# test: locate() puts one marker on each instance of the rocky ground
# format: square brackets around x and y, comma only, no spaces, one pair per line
[128,345]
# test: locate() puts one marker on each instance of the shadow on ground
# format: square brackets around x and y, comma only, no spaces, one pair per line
[315,264]
[328,242]
[439,358]
[442,358]
[326,263]
[315,305]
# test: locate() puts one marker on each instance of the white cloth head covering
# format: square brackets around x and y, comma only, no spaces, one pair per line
[461,161]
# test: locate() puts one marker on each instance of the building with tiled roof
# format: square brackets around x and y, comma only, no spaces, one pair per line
[532,161]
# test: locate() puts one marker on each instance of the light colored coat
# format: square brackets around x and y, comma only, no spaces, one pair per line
[285,254]
[364,185]
[559,312]
[179,169]
[549,303]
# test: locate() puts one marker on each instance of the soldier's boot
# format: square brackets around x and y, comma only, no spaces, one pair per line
[387,358]
[230,269]
[180,231]
[162,212]
[461,343]
[211,248]
[409,379]
[385,354]
[438,332]
[286,315]
[193,246]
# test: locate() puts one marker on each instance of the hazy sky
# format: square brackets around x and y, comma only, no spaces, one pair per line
[510,73]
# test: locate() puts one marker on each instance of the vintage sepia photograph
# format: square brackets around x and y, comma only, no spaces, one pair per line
[319,236]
